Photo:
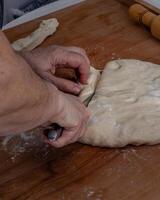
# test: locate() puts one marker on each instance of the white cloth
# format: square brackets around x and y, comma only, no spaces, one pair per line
[9,5]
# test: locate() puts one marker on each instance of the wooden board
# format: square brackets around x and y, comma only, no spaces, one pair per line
[81,172]
[151,4]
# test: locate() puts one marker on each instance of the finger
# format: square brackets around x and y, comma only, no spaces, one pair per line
[80,133]
[81,130]
[74,49]
[64,140]
[67,86]
[72,59]
[79,62]
[64,84]
[80,51]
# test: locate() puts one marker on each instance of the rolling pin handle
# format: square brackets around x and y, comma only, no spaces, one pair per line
[144,16]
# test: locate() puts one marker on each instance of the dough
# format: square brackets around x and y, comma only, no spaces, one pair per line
[46,28]
[89,89]
[126,106]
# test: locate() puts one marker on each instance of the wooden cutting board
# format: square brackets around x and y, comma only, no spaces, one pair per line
[30,171]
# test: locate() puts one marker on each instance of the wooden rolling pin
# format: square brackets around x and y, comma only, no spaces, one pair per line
[144,16]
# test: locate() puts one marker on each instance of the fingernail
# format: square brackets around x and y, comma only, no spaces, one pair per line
[77,89]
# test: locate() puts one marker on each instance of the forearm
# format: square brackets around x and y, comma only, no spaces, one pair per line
[25,99]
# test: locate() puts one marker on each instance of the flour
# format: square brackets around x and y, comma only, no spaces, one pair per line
[23,143]
[92,194]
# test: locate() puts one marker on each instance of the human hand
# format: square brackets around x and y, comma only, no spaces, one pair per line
[72,115]
[44,62]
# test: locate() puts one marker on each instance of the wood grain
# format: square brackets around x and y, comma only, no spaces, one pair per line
[81,172]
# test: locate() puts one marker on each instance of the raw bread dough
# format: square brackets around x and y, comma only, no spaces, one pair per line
[126,105]
[46,28]
[89,89]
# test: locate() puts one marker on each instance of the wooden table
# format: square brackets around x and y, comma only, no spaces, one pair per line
[81,172]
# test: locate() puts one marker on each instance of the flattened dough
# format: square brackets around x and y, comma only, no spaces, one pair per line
[126,105]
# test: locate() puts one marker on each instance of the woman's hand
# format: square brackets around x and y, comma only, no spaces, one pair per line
[70,114]
[44,62]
